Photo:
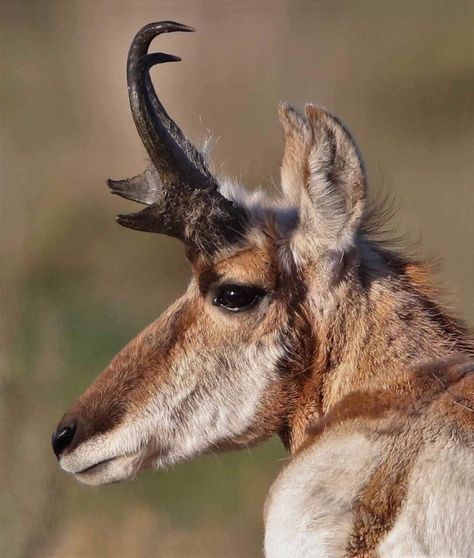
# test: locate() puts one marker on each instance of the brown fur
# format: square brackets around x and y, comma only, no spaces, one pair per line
[361,337]
[398,410]
[386,316]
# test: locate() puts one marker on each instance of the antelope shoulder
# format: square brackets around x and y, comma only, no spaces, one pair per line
[437,516]
[387,474]
[309,508]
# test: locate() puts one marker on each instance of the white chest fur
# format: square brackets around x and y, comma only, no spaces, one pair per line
[308,510]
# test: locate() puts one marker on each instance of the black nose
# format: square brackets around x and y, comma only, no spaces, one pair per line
[62,438]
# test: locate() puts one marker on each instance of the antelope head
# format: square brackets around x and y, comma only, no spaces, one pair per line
[227,365]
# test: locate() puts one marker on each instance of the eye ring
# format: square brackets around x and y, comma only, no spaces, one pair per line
[237,298]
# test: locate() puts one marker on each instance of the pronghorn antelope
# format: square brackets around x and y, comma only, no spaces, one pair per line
[297,323]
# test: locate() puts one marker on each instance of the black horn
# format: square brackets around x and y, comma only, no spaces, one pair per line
[181,192]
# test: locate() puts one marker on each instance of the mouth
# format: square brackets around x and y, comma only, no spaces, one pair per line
[96,466]
[114,469]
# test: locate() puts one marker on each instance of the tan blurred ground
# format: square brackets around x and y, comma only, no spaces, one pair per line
[75,286]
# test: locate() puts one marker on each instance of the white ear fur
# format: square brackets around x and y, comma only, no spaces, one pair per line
[322,173]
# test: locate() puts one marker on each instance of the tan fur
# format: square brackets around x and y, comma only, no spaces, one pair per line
[434,397]
[349,345]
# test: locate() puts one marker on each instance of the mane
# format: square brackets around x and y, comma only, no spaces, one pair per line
[420,275]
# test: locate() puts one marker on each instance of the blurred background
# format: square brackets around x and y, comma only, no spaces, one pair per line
[75,287]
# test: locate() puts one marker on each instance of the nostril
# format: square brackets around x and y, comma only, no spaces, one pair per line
[62,438]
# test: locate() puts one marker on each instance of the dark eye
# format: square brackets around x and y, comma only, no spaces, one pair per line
[238,297]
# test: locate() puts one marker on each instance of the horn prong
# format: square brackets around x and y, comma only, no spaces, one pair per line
[137,221]
[144,188]
[152,219]
[132,189]
[154,58]
[181,194]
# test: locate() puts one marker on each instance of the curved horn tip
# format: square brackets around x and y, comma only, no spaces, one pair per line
[158,27]
[170,26]
[146,34]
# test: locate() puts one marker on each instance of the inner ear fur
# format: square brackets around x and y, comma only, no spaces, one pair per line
[322,173]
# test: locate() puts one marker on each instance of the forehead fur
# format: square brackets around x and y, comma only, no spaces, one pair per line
[253,266]
[274,213]
[263,253]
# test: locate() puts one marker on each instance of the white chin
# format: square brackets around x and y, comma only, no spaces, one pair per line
[112,470]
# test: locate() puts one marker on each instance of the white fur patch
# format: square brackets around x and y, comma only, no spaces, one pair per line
[309,506]
[437,518]
[197,408]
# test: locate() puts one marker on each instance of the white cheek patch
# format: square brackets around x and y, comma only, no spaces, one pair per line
[223,404]
[204,400]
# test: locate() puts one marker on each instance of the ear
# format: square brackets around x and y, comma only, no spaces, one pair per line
[323,175]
